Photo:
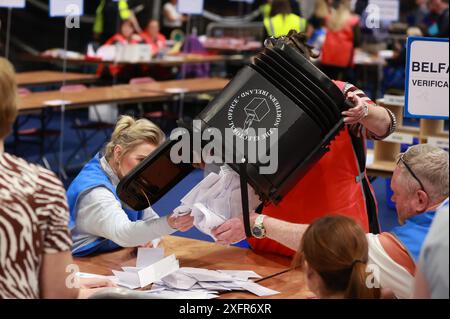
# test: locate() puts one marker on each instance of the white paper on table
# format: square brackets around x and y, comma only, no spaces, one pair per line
[149,274]
[107,52]
[57,102]
[233,285]
[179,280]
[131,269]
[127,279]
[205,275]
[158,270]
[244,275]
[184,295]
[213,286]
[176,90]
[257,289]
[148,256]
[89,275]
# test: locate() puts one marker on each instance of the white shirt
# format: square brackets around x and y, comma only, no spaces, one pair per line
[388,273]
[100,215]
[171,10]
[434,258]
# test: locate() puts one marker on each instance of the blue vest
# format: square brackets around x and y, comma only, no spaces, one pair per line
[91,176]
[413,233]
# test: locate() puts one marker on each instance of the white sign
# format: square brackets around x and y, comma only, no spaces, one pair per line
[190,7]
[12,3]
[389,9]
[439,142]
[65,8]
[400,138]
[427,78]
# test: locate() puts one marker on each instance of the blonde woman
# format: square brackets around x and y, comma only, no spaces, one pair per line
[34,238]
[343,36]
[99,221]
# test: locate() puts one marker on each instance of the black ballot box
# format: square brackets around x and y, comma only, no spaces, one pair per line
[279,104]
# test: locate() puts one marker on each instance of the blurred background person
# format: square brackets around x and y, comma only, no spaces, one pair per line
[432,276]
[439,13]
[153,37]
[419,15]
[109,16]
[317,24]
[266,8]
[172,18]
[343,36]
[282,20]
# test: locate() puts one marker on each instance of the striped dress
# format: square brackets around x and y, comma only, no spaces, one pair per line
[33,222]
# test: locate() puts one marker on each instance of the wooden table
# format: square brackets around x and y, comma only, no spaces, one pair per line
[165,62]
[200,254]
[35,78]
[99,95]
[122,94]
[189,86]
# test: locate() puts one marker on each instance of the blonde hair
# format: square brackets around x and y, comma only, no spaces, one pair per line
[322,9]
[8,97]
[340,16]
[130,133]
[430,164]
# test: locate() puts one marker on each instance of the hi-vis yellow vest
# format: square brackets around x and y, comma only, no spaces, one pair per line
[265,10]
[281,24]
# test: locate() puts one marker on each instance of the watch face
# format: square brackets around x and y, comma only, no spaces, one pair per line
[257,232]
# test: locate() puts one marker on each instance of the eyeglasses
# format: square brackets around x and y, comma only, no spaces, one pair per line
[401,159]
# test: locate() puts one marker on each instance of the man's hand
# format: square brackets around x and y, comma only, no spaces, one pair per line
[181,223]
[356,114]
[232,231]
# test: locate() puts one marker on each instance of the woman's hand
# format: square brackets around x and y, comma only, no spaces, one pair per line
[147,245]
[91,283]
[357,113]
[181,223]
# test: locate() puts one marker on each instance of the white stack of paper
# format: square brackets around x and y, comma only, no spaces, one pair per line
[210,282]
[151,266]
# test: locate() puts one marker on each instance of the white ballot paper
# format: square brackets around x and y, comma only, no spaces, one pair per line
[148,256]
[210,282]
[217,199]
[151,266]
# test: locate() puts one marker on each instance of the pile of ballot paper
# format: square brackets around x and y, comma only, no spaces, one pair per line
[171,281]
[209,282]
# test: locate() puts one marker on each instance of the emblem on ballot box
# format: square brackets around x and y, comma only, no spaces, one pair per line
[256,110]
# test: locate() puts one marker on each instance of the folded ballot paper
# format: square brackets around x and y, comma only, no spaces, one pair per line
[217,199]
[188,281]
[151,266]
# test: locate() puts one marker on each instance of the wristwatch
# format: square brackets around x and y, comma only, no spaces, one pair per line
[258,230]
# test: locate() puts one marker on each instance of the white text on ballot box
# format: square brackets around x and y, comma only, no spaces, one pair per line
[427,77]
